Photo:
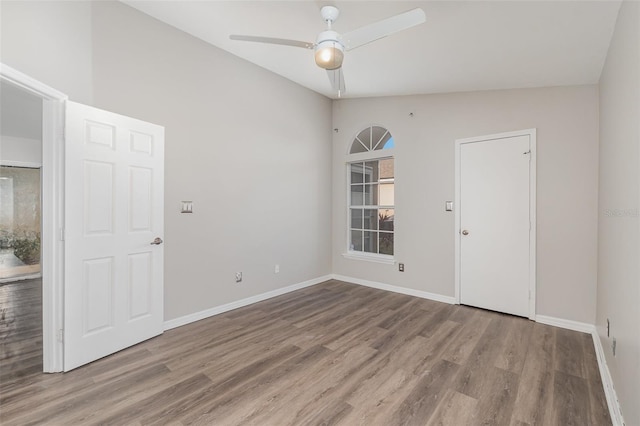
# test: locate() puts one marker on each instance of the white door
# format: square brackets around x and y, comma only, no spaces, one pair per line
[495,225]
[114,196]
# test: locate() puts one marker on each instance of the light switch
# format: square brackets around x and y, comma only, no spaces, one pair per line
[448,206]
[187,207]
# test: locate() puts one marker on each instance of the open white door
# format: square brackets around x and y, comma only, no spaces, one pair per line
[114,200]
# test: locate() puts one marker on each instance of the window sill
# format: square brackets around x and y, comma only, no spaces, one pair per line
[387,260]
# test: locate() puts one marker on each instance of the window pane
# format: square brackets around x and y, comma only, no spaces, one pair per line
[357,147]
[371,195]
[357,195]
[370,219]
[379,136]
[386,194]
[365,137]
[370,242]
[385,217]
[386,243]
[371,171]
[357,175]
[356,218]
[386,168]
[356,241]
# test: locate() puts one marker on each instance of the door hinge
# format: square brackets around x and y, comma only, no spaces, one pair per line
[61,234]
[60,335]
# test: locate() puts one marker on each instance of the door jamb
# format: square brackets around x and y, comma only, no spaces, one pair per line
[52,213]
[532,211]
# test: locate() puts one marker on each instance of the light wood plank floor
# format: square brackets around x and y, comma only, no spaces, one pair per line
[334,353]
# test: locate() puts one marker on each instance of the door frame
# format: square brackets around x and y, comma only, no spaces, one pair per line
[532,210]
[52,244]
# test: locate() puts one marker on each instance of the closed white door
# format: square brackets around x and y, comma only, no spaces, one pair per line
[114,196]
[495,228]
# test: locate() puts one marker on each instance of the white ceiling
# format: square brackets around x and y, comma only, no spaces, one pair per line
[463,46]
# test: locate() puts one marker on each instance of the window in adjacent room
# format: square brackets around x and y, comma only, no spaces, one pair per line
[371,194]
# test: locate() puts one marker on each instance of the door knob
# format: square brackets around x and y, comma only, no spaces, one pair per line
[465,232]
[157,241]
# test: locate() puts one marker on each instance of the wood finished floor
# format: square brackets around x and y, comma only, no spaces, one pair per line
[334,353]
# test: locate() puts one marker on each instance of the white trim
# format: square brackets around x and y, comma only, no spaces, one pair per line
[532,211]
[582,327]
[613,403]
[197,316]
[396,289]
[25,164]
[370,155]
[30,84]
[52,211]
[609,390]
[375,258]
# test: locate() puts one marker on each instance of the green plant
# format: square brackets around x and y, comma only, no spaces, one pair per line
[27,249]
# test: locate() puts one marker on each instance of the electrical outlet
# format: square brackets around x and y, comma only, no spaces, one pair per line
[276,269]
[401,267]
[613,346]
[238,277]
[608,327]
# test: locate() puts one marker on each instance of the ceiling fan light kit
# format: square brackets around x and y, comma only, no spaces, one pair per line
[329,54]
[330,46]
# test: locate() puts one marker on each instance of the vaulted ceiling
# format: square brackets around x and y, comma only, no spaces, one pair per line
[463,46]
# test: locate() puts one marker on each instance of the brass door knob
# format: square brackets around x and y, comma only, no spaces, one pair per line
[465,232]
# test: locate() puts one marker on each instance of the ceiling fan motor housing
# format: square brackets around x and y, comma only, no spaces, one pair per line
[329,50]
[329,13]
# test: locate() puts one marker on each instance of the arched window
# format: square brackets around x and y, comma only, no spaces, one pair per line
[371,190]
[372,138]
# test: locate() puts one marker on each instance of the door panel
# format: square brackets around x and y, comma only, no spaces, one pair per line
[114,200]
[495,224]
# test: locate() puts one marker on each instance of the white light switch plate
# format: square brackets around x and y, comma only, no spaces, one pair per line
[187,207]
[448,206]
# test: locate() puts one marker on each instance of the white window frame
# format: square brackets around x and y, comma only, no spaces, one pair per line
[380,154]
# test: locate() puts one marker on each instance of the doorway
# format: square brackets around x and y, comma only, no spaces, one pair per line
[495,222]
[49,147]
[20,232]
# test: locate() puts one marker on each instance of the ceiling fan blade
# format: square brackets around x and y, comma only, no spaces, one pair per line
[380,29]
[336,78]
[271,40]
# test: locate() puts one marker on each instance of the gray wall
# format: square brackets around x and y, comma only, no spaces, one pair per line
[51,42]
[252,150]
[567,124]
[618,294]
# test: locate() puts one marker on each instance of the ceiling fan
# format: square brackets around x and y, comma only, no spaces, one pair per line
[330,46]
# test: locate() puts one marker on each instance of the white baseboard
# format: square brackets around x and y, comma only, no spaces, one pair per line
[197,316]
[612,398]
[396,289]
[609,391]
[564,323]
